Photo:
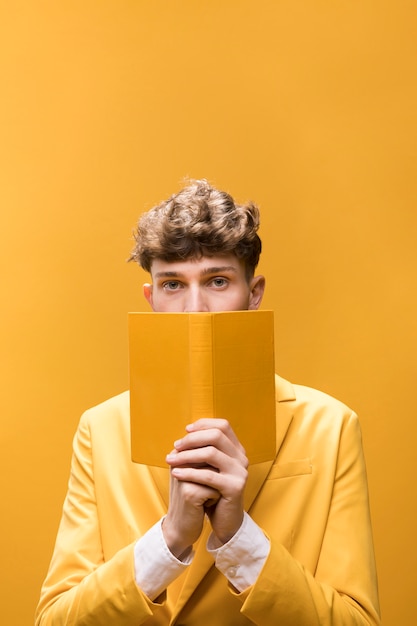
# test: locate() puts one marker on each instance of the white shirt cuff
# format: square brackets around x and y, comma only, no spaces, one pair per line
[242,558]
[155,565]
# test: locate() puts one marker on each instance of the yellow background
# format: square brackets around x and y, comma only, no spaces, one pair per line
[307,107]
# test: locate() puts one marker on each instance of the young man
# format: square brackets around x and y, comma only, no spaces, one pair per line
[210,540]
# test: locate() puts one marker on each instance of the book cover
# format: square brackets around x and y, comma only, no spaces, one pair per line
[184,366]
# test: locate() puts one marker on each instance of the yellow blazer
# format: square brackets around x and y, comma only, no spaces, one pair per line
[311,502]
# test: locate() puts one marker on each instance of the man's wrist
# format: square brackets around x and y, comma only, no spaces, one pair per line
[174,544]
[155,565]
[222,536]
[242,558]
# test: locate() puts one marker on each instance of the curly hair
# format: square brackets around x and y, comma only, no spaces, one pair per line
[199,220]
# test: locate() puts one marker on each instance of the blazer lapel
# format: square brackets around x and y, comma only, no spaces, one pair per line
[259,472]
[199,567]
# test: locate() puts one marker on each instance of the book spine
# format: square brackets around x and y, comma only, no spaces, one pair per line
[201,366]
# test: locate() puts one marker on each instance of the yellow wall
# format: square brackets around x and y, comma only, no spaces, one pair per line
[306,107]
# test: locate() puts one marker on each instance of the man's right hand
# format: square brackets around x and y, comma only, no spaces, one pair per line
[183,523]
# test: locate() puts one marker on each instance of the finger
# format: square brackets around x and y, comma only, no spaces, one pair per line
[210,467]
[207,457]
[192,492]
[216,438]
[228,485]
[214,422]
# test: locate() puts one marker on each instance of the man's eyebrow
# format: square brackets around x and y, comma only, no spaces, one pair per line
[205,271]
[219,270]
[168,274]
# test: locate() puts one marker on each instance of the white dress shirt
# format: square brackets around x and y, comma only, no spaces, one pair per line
[240,559]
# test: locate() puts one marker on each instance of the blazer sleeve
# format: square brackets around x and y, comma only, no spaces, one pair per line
[80,588]
[342,591]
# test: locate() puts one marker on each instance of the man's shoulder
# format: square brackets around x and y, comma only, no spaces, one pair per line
[314,422]
[309,400]
[116,406]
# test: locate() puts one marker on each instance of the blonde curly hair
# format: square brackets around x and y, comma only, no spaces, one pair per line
[199,220]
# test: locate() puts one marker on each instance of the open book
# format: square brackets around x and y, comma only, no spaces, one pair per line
[184,366]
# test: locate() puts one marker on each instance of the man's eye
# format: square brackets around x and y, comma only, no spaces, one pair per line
[171,285]
[219,282]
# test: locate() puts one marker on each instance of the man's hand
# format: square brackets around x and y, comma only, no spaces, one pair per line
[208,475]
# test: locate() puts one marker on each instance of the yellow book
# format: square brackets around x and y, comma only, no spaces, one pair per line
[184,366]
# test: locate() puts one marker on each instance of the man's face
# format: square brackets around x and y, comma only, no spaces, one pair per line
[215,283]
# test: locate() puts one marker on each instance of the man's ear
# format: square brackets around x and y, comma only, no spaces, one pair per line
[257,288]
[147,292]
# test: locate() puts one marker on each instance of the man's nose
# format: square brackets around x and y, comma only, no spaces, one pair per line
[195,301]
